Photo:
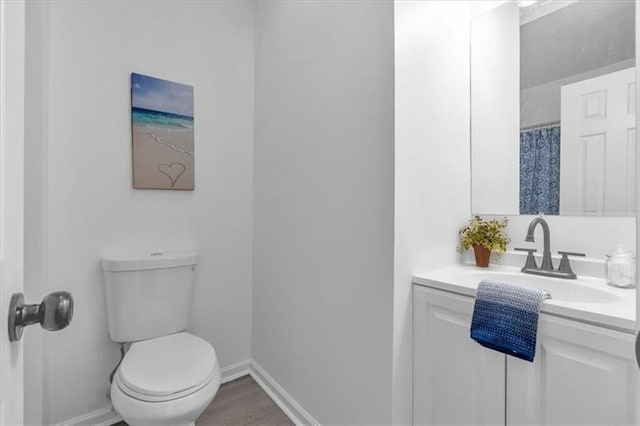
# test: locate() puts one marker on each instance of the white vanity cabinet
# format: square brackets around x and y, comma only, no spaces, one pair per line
[455,380]
[582,374]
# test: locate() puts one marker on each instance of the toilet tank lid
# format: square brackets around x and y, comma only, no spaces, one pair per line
[156,260]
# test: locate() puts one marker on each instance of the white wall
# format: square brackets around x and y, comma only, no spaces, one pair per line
[323,225]
[432,187]
[91,209]
[495,85]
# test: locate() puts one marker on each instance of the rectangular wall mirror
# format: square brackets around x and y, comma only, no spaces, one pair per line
[553,109]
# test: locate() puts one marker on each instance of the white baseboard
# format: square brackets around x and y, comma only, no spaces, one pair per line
[103,417]
[235,371]
[107,416]
[281,397]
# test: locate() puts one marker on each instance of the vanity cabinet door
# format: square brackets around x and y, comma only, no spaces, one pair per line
[581,375]
[456,381]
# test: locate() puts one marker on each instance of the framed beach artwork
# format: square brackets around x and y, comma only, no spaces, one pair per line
[162,133]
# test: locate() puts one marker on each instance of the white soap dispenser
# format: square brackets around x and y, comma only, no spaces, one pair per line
[620,268]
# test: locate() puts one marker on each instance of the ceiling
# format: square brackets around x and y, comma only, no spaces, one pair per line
[583,36]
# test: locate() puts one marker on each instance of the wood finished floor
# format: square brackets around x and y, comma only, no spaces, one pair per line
[241,402]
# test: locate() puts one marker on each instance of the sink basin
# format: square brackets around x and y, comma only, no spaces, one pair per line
[579,290]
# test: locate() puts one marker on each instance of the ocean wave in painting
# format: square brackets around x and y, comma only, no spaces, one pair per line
[171,130]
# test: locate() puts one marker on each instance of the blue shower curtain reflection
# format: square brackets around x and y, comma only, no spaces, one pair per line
[540,170]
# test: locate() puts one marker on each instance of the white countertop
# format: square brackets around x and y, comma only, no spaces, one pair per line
[586,299]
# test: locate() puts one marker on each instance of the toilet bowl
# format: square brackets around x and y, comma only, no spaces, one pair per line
[168,376]
[167,380]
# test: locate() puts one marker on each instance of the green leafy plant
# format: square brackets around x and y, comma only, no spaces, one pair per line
[486,233]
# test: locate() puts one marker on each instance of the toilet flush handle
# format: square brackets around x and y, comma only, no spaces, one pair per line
[53,313]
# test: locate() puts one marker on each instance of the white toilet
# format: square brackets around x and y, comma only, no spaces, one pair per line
[167,377]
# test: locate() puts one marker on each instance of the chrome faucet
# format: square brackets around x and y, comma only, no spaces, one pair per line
[530,267]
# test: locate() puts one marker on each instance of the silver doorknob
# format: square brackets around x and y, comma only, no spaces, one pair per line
[54,313]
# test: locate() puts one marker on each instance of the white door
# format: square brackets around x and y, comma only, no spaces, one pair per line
[12,33]
[598,146]
[456,381]
[582,375]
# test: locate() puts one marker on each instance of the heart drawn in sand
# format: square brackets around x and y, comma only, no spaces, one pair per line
[173,171]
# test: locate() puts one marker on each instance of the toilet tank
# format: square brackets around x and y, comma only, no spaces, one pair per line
[148,295]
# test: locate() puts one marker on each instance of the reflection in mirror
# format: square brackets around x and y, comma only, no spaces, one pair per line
[553,108]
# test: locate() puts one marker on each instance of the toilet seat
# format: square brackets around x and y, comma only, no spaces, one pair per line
[167,368]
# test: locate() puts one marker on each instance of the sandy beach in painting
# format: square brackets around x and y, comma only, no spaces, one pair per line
[162,131]
[148,155]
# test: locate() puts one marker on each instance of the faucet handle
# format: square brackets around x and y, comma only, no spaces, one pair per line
[565,265]
[529,250]
[531,261]
[570,253]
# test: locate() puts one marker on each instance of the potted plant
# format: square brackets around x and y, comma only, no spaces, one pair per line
[484,236]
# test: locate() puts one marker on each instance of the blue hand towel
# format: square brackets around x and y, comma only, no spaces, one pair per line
[505,318]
